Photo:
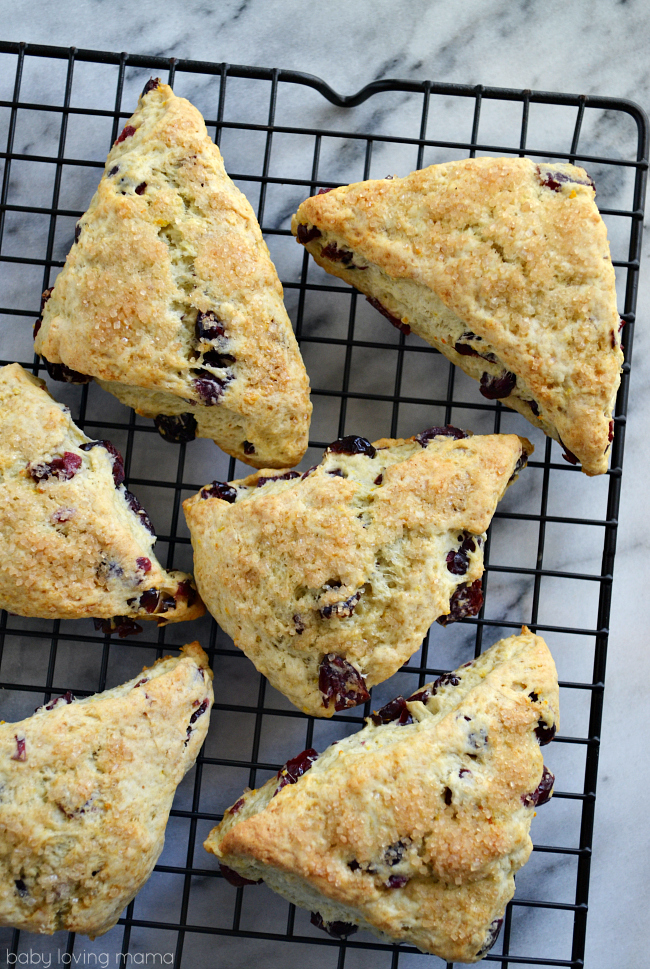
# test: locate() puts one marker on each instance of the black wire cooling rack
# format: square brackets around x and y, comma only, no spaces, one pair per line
[550,556]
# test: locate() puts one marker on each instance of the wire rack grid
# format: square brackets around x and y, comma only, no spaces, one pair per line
[60,110]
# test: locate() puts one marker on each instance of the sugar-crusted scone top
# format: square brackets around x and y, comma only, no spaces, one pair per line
[74,543]
[169,296]
[502,264]
[329,580]
[87,785]
[413,829]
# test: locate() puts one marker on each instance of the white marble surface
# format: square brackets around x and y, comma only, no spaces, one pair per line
[596,47]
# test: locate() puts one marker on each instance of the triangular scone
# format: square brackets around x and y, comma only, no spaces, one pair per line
[170,299]
[87,786]
[414,827]
[504,266]
[74,543]
[329,580]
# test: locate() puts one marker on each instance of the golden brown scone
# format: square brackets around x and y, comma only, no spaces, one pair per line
[414,827]
[74,543]
[504,266]
[329,580]
[170,299]
[87,785]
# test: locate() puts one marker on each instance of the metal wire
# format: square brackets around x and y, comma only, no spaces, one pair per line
[265,711]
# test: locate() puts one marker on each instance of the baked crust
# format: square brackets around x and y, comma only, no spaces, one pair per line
[503,257]
[168,235]
[73,542]
[441,805]
[351,559]
[87,787]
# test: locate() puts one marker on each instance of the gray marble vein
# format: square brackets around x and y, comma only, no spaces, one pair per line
[597,47]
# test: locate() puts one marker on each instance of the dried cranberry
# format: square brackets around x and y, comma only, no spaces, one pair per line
[323,191]
[339,681]
[62,468]
[542,793]
[176,428]
[209,388]
[395,320]
[458,559]
[352,445]
[342,610]
[21,749]
[338,930]
[466,350]
[287,476]
[199,713]
[185,590]
[421,695]
[610,435]
[149,600]
[296,767]
[522,461]
[534,407]
[234,878]
[138,510]
[141,682]
[77,231]
[447,796]
[465,601]
[299,624]
[219,489]
[237,806]
[122,625]
[554,180]
[143,564]
[116,457]
[447,679]
[492,936]
[207,326]
[498,388]
[127,132]
[59,371]
[331,251]
[167,602]
[248,447]
[379,479]
[66,698]
[305,234]
[37,325]
[394,710]
[544,732]
[397,881]
[464,771]
[151,85]
[220,360]
[114,170]
[568,455]
[425,437]
[195,716]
